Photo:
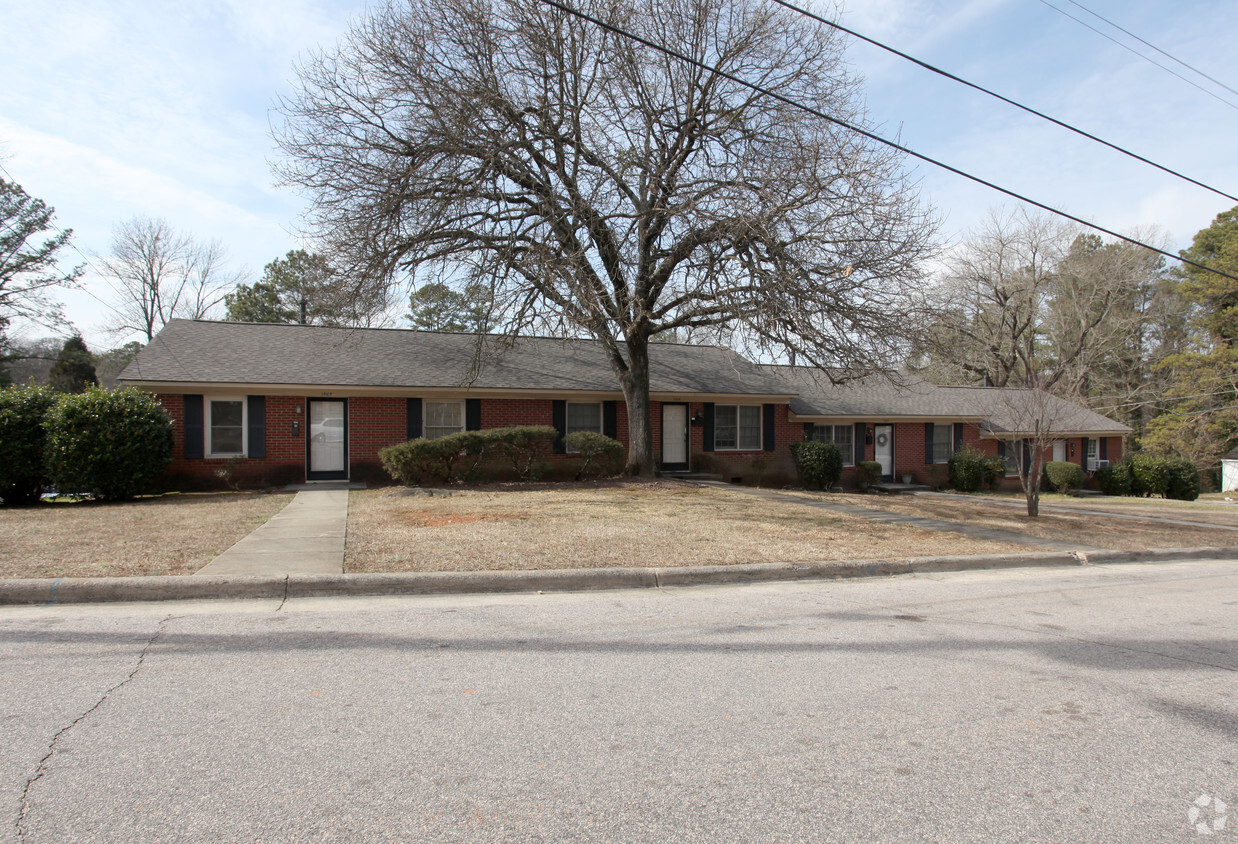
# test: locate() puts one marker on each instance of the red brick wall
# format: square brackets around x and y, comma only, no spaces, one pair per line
[285,452]
[377,422]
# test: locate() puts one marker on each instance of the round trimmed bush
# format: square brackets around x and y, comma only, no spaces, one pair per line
[1183,479]
[967,470]
[1064,476]
[820,465]
[109,443]
[600,454]
[22,442]
[1115,479]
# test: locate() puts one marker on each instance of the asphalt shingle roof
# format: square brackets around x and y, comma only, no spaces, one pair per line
[197,351]
[889,395]
[237,353]
[900,394]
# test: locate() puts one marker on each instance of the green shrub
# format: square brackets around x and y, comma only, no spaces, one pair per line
[525,446]
[1183,479]
[819,465]
[414,462]
[458,456]
[109,443]
[1064,476]
[967,470]
[1116,478]
[867,473]
[994,472]
[1149,476]
[22,442]
[599,453]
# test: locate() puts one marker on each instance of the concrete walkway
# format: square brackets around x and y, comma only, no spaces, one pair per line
[975,531]
[306,537]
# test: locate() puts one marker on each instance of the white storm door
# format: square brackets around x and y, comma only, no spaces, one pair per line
[674,434]
[326,436]
[883,445]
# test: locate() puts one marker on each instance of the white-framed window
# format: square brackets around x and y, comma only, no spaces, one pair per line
[737,427]
[583,416]
[443,418]
[225,426]
[1093,453]
[842,436]
[943,443]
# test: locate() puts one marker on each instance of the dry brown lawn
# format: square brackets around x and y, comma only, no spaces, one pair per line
[172,534]
[1087,529]
[618,523]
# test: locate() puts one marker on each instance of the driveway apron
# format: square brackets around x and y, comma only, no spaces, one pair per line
[306,537]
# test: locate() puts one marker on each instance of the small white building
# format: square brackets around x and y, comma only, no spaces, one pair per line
[1229,471]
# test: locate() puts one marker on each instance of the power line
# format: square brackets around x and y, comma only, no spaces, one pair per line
[870,135]
[948,75]
[1153,46]
[1131,49]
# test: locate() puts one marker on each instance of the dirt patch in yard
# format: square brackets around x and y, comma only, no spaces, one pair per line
[171,534]
[1087,529]
[615,523]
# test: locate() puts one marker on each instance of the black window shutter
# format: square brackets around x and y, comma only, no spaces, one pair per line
[194,429]
[1001,448]
[472,414]
[413,423]
[928,443]
[768,427]
[709,426]
[1027,459]
[257,425]
[1104,448]
[610,419]
[958,436]
[861,431]
[558,418]
[807,431]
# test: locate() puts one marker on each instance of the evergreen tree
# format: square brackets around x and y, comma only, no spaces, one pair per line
[74,369]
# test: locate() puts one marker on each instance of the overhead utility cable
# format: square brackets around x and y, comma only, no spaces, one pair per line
[1131,49]
[948,75]
[1152,46]
[631,36]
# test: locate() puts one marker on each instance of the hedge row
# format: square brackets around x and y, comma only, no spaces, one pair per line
[110,444]
[458,457]
[1143,475]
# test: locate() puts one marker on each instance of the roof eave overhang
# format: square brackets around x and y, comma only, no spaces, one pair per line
[338,390]
[882,418]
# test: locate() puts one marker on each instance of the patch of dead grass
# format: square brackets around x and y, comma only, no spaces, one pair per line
[662,523]
[172,534]
[1087,529]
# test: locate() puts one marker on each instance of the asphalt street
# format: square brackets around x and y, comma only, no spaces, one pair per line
[1021,705]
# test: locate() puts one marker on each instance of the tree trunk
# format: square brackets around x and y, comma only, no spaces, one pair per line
[1031,483]
[635,383]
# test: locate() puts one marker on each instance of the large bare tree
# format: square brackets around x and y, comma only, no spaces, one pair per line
[592,184]
[156,273]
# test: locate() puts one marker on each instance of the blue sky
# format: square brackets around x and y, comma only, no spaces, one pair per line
[122,108]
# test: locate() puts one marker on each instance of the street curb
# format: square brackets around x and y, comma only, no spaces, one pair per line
[81,590]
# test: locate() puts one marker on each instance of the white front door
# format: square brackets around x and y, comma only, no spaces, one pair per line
[883,446]
[675,435]
[326,438]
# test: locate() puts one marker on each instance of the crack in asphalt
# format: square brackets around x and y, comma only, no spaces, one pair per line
[51,747]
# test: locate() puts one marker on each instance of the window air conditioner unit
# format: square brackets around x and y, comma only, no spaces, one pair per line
[1101,464]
